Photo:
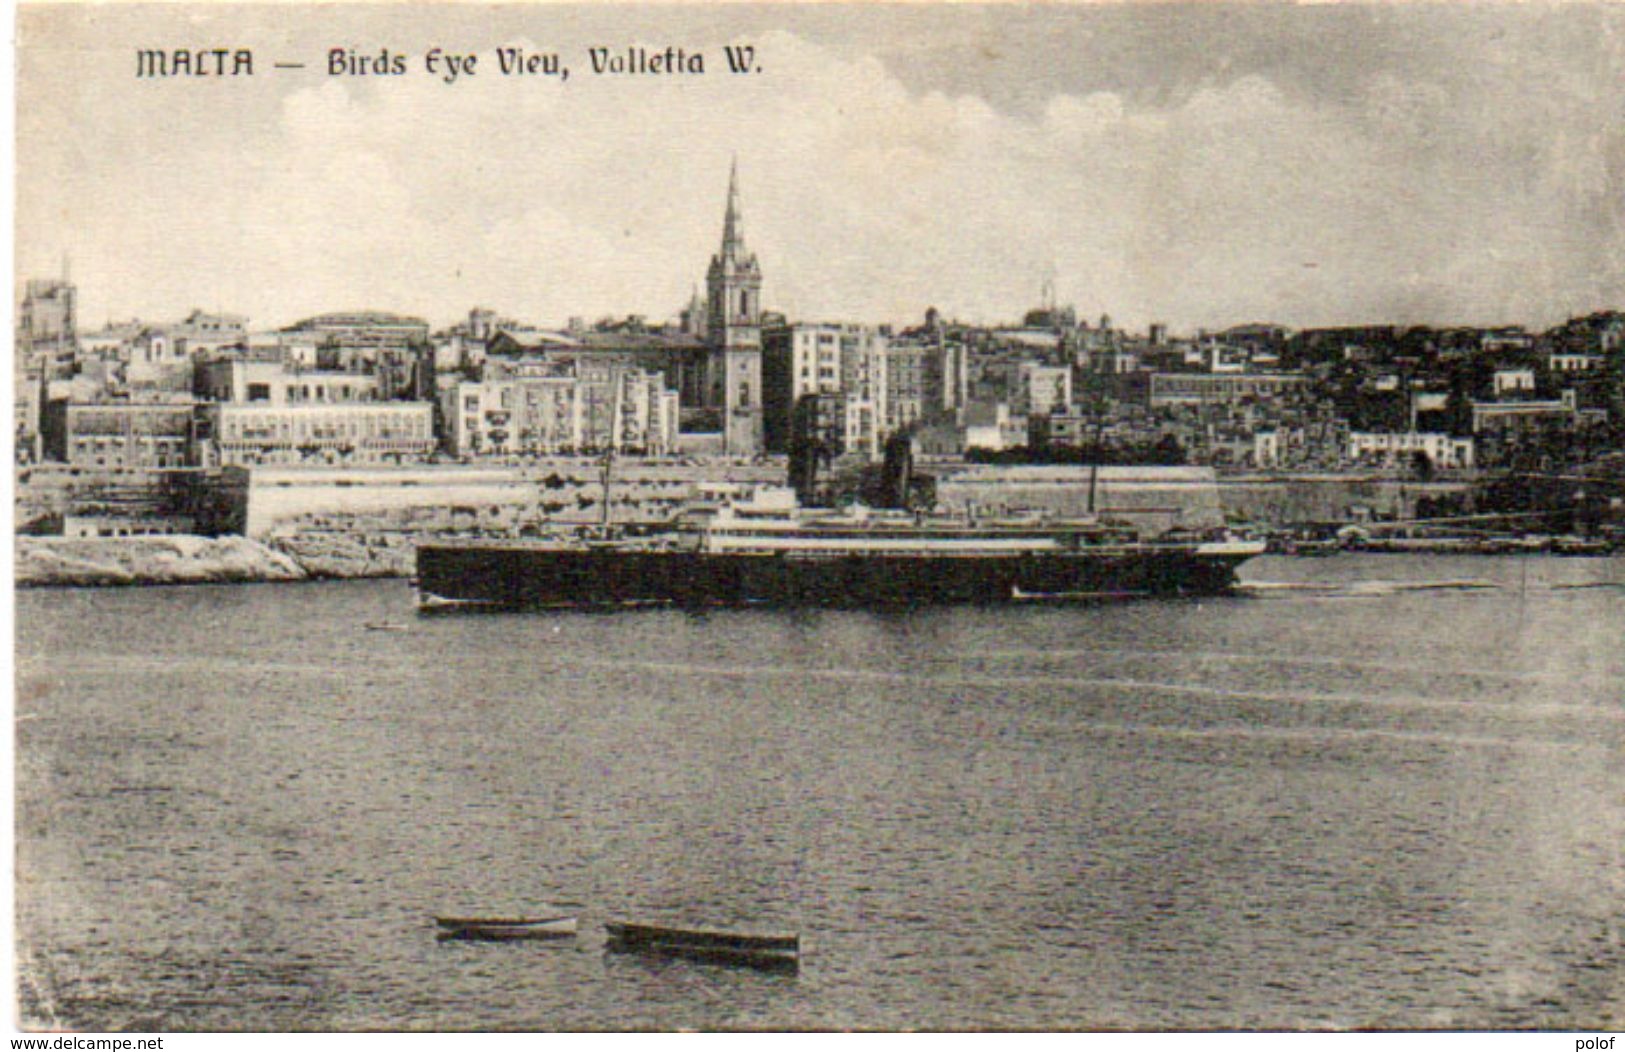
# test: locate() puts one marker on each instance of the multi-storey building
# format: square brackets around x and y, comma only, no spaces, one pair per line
[1574,361]
[48,321]
[1041,388]
[1168,389]
[845,366]
[245,379]
[1527,416]
[1393,450]
[47,337]
[358,432]
[1513,382]
[948,376]
[560,409]
[147,434]
[908,395]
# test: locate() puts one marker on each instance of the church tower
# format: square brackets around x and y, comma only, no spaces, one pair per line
[734,333]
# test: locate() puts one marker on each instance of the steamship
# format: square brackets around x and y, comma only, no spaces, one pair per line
[759,546]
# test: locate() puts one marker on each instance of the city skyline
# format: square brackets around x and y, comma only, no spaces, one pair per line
[1195,168]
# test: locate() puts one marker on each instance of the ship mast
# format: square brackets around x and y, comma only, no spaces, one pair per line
[1094,461]
[608,464]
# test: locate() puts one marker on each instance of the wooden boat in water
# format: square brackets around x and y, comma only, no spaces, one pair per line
[741,949]
[496,929]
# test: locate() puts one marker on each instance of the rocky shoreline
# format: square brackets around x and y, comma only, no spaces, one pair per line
[45,562]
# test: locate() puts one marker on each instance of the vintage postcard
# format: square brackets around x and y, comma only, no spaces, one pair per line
[538,517]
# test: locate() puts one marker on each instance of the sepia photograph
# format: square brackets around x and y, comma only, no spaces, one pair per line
[783,517]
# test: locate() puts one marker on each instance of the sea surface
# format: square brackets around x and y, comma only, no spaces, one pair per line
[1369,791]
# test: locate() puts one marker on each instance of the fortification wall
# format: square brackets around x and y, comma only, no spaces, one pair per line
[1279,501]
[1153,499]
[539,495]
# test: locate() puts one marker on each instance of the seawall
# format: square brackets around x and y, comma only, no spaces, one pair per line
[1284,500]
[353,523]
[374,502]
[1151,498]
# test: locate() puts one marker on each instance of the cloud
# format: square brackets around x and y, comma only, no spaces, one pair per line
[1443,194]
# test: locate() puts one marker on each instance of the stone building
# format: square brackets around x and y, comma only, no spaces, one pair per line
[1399,448]
[560,409]
[1041,388]
[156,434]
[242,433]
[845,366]
[1168,389]
[243,379]
[733,319]
[48,320]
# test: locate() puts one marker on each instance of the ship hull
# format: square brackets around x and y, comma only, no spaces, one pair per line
[520,576]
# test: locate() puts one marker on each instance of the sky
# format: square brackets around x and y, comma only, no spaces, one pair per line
[1197,165]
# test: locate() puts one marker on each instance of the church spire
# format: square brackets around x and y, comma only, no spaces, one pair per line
[733,233]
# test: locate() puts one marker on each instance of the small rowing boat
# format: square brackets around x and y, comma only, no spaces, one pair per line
[743,949]
[504,928]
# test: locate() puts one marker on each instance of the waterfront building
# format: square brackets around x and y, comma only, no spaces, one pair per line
[127,525]
[844,365]
[561,408]
[734,333]
[1398,449]
[359,432]
[141,434]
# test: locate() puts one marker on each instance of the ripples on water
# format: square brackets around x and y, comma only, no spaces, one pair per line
[1337,801]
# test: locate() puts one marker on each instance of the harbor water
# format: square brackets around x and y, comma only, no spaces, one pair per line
[1368,791]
